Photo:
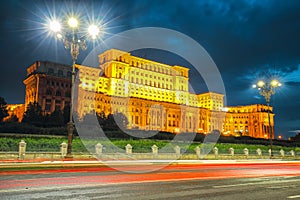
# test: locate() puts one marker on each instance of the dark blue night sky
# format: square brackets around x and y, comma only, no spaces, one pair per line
[247,39]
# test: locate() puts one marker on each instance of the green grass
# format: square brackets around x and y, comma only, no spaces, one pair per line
[52,144]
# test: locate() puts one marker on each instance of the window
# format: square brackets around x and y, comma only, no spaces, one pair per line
[60,73]
[50,71]
[68,94]
[48,92]
[48,107]
[69,74]
[58,93]
[136,119]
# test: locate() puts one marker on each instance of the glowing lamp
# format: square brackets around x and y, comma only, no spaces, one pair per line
[72,22]
[274,83]
[260,83]
[93,31]
[55,26]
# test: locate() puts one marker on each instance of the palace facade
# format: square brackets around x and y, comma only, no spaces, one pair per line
[152,95]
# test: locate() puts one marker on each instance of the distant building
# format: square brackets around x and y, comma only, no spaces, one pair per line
[250,120]
[152,95]
[15,110]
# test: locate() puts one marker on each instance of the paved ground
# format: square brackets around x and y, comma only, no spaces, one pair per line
[143,180]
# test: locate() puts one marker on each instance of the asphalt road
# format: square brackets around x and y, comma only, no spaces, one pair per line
[182,181]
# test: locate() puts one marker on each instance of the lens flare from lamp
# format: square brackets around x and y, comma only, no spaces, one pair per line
[73,22]
[59,36]
[274,83]
[93,31]
[55,26]
[260,83]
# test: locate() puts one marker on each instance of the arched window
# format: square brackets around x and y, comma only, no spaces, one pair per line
[50,71]
[48,92]
[60,73]
[58,93]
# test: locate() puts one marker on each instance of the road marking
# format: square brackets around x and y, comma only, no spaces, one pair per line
[253,183]
[281,187]
[293,197]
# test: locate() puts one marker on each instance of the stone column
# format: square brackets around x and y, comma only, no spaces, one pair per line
[98,149]
[259,153]
[246,152]
[216,152]
[292,153]
[270,152]
[198,153]
[281,152]
[63,149]
[22,149]
[154,151]
[128,149]
[231,151]
[177,150]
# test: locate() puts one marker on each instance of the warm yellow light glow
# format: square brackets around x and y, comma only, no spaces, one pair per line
[274,83]
[93,31]
[73,22]
[279,137]
[150,83]
[55,26]
[176,130]
[260,83]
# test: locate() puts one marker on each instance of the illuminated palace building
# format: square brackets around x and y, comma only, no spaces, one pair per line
[152,95]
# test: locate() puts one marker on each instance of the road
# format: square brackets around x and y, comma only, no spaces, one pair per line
[234,181]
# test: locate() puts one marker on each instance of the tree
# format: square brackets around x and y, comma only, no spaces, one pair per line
[12,118]
[33,114]
[90,119]
[56,118]
[66,114]
[3,109]
[116,121]
[297,137]
[101,118]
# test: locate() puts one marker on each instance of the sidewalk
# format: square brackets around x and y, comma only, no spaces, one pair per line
[68,163]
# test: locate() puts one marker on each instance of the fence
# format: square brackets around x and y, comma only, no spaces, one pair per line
[99,153]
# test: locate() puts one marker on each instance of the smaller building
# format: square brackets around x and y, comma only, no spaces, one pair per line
[249,120]
[49,84]
[15,110]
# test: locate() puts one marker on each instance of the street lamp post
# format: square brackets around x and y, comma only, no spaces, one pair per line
[74,41]
[267,89]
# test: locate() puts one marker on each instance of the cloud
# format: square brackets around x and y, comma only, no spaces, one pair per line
[295,131]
